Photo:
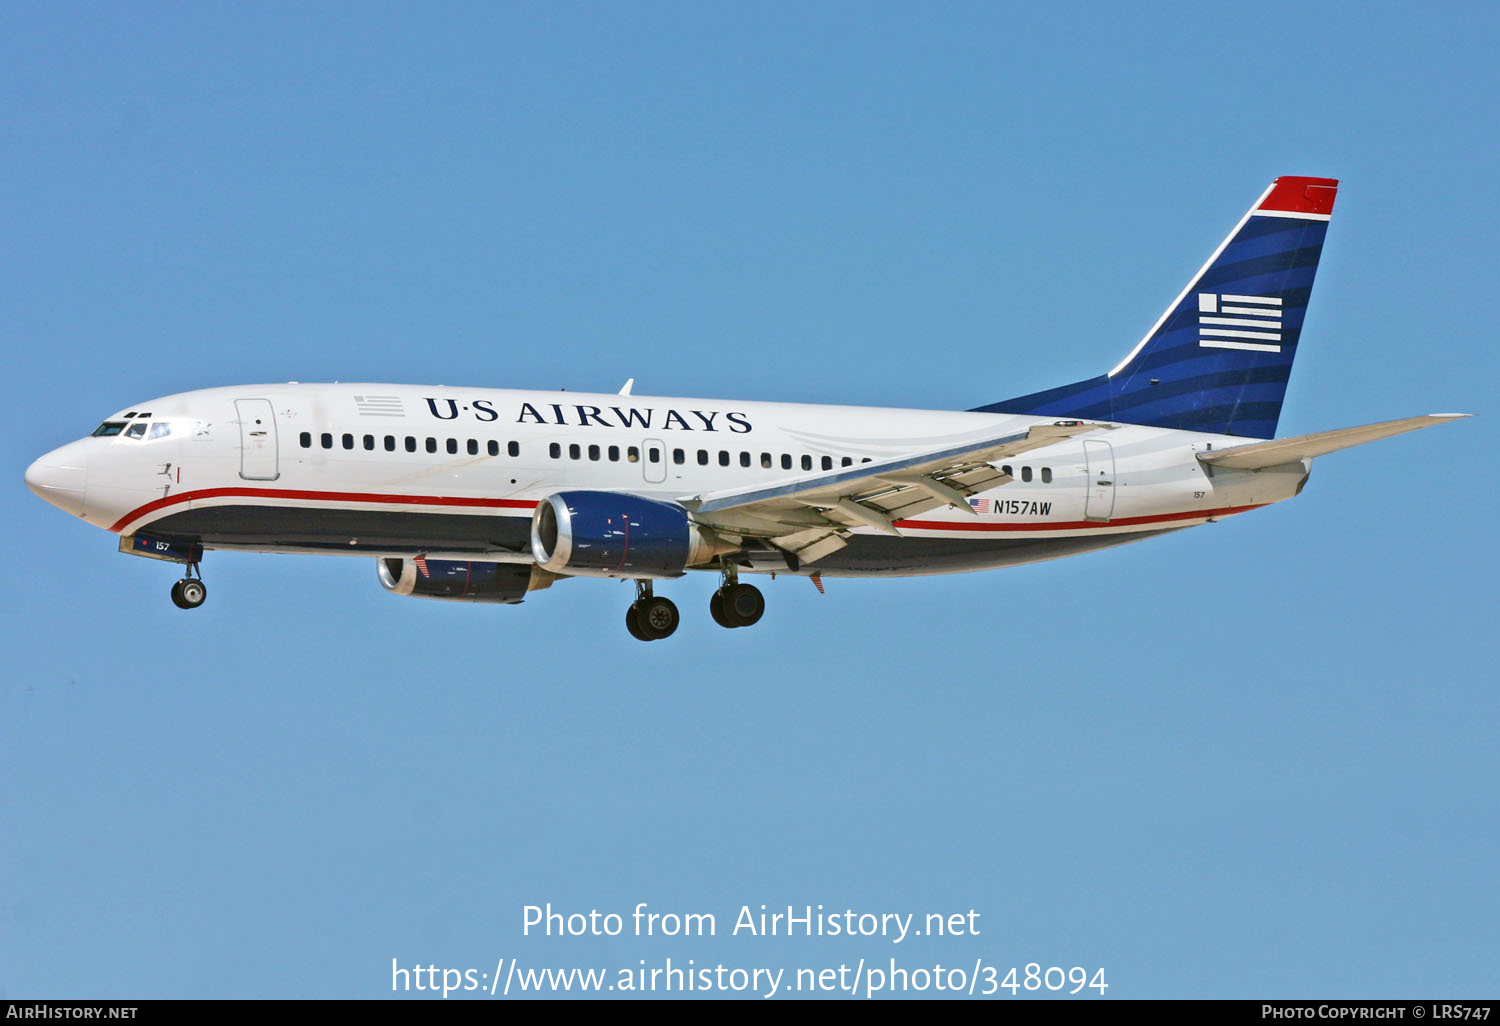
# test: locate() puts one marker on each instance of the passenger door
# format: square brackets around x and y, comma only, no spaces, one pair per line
[257,439]
[1100,457]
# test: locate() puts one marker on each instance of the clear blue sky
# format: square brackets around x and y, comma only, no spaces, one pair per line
[1256,758]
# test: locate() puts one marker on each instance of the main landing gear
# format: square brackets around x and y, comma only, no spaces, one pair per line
[736,604]
[650,617]
[190,592]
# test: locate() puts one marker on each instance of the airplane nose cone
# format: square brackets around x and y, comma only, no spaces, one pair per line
[60,477]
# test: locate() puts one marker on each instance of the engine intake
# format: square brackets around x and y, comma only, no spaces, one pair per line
[459,580]
[616,534]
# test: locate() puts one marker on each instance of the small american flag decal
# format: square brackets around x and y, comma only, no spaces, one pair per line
[982,505]
[379,406]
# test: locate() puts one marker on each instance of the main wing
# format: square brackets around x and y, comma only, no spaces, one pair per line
[811,517]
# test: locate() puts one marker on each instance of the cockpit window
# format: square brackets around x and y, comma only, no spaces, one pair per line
[136,430]
[109,428]
[161,429]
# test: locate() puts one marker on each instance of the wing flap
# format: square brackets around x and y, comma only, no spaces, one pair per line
[1279,451]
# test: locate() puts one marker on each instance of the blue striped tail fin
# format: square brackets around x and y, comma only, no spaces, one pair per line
[1219,358]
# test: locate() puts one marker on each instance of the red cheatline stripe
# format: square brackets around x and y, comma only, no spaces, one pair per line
[1075,525]
[482,503]
[286,493]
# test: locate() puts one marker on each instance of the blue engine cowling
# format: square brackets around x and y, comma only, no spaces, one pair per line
[459,580]
[616,534]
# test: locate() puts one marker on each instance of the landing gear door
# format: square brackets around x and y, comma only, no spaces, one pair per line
[1100,457]
[654,461]
[257,439]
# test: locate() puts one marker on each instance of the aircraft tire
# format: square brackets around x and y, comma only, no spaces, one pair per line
[633,624]
[716,609]
[189,593]
[743,604]
[657,617]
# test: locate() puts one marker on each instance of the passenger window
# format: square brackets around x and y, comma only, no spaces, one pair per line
[1026,474]
[847,461]
[806,462]
[369,443]
[327,440]
[702,457]
[786,461]
[514,448]
[765,461]
[575,451]
[633,454]
[431,444]
[390,443]
[493,447]
[614,454]
[1046,475]
[160,430]
[348,440]
[744,459]
[555,451]
[113,427]
[594,453]
[827,462]
[453,447]
[474,446]
[136,430]
[1006,471]
[411,444]
[305,438]
[653,454]
[723,457]
[865,460]
[679,457]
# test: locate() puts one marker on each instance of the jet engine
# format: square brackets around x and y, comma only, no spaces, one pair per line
[616,534]
[460,580]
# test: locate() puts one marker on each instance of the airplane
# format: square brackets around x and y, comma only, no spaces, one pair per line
[486,495]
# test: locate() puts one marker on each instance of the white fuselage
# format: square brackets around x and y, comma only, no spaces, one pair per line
[399,470]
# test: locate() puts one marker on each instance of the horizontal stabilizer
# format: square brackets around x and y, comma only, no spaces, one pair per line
[1290,450]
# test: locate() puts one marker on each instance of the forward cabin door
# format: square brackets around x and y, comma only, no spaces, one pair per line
[1100,457]
[257,439]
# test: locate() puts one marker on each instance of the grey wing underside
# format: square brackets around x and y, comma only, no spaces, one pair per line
[811,517]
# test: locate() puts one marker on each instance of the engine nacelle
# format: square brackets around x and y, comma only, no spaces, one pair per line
[616,534]
[459,580]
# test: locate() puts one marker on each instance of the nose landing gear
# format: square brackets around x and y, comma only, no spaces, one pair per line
[190,592]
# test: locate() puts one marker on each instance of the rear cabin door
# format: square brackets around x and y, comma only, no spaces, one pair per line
[257,439]
[1100,457]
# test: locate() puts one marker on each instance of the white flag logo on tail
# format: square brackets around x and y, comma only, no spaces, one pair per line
[1239,322]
